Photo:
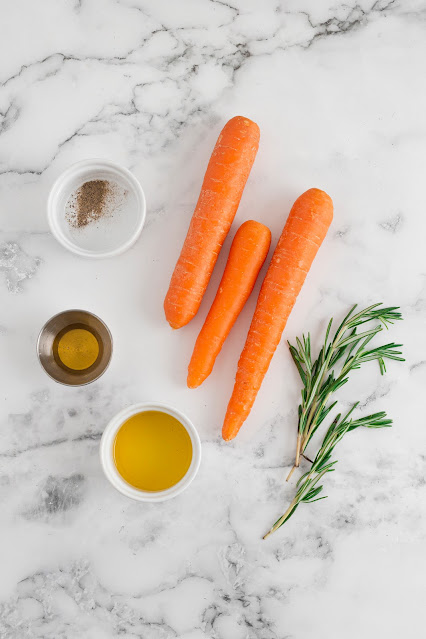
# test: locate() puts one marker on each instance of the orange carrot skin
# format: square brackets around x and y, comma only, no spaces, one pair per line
[246,257]
[220,195]
[303,234]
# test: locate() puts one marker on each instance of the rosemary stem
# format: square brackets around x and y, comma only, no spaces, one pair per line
[281,520]
[298,443]
[308,431]
[291,472]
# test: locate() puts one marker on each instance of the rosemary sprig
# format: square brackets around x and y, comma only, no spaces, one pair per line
[308,487]
[347,349]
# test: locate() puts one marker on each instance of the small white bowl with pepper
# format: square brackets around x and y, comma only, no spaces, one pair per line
[96,208]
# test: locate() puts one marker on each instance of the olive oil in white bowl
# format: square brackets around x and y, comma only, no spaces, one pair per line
[150,452]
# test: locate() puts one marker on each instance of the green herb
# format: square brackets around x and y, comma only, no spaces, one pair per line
[348,349]
[308,488]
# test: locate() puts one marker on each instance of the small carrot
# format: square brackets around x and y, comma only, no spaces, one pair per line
[246,257]
[221,192]
[305,229]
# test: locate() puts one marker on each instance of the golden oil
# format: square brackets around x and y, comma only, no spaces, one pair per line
[77,348]
[152,451]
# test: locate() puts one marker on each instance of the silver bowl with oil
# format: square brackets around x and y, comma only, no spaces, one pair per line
[58,325]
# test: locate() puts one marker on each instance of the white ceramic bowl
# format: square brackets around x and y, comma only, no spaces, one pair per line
[105,237]
[107,454]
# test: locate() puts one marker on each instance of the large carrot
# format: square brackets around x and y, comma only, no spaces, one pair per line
[305,229]
[222,188]
[246,256]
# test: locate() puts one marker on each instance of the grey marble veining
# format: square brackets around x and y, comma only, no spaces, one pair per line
[338,92]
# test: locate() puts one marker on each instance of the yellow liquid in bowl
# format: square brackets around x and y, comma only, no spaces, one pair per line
[152,451]
[77,348]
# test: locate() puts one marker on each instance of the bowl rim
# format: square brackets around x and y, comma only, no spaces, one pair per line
[52,211]
[107,460]
[74,310]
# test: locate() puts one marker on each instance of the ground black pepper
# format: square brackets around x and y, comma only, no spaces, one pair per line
[92,201]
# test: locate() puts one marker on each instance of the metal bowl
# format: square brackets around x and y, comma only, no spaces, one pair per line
[57,324]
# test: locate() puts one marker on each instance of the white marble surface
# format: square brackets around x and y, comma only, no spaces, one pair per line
[338,91]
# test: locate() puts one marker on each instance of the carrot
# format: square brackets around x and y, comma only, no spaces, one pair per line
[305,229]
[246,257]
[222,188]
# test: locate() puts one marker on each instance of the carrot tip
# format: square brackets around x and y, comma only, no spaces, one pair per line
[193,380]
[192,384]
[229,432]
